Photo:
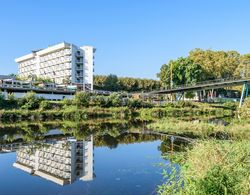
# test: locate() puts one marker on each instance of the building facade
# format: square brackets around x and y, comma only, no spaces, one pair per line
[63,63]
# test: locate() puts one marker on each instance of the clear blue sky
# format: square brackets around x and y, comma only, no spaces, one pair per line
[132,37]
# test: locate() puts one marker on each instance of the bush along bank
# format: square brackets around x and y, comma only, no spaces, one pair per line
[85,105]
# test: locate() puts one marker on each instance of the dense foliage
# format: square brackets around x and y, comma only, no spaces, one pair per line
[81,100]
[183,70]
[202,65]
[114,83]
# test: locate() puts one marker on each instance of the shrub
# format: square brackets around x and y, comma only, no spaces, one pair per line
[81,99]
[72,112]
[45,105]
[66,102]
[115,100]
[99,101]
[182,104]
[30,101]
[230,105]
[137,103]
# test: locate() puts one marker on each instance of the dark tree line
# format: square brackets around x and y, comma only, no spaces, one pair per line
[114,83]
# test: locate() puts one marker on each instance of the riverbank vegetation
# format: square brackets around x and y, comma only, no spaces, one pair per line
[196,128]
[210,167]
[244,111]
[85,105]
[217,161]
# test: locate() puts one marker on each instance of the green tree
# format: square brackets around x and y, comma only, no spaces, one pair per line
[215,64]
[128,84]
[164,75]
[111,83]
[99,82]
[30,101]
[184,71]
[116,100]
[243,68]
[81,99]
[12,75]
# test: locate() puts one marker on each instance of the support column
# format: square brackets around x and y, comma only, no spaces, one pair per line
[204,95]
[244,93]
[5,94]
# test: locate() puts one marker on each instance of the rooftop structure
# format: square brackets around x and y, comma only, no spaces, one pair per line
[63,63]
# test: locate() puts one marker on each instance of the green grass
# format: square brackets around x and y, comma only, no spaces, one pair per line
[211,167]
[199,129]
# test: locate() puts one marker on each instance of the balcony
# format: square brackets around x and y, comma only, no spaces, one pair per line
[79,75]
[79,61]
[79,67]
[78,54]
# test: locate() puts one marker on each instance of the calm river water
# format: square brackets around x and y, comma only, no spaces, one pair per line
[115,161]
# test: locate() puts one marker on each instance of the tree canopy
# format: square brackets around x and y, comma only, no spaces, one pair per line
[184,71]
[114,83]
[216,64]
[204,65]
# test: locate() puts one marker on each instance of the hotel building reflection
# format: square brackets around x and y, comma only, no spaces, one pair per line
[62,162]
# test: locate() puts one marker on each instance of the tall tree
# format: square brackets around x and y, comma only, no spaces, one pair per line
[243,69]
[126,83]
[184,71]
[216,64]
[111,83]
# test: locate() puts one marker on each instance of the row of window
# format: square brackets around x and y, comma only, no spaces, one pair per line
[54,76]
[26,74]
[25,70]
[56,61]
[27,63]
[59,67]
[56,172]
[56,54]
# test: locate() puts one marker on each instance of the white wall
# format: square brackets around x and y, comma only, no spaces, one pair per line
[88,64]
[45,96]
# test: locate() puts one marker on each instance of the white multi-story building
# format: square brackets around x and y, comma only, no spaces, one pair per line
[62,162]
[63,63]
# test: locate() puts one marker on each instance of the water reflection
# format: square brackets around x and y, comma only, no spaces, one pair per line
[64,154]
[61,162]
[62,159]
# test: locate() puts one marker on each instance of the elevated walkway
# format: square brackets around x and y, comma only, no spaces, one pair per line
[206,85]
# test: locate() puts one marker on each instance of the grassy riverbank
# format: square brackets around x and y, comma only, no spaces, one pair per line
[217,162]
[196,128]
[211,167]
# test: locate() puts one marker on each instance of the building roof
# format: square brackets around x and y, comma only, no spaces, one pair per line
[39,52]
[2,77]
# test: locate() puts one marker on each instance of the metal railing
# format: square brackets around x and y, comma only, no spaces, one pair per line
[221,80]
[32,87]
